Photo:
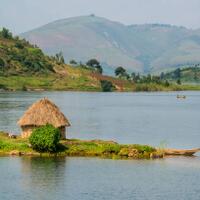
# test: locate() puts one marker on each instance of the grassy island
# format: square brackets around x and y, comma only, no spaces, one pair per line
[74,147]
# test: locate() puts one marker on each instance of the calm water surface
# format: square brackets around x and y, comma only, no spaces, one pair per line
[96,179]
[149,118]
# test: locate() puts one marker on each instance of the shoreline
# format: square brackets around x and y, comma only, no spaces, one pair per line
[44,83]
[89,148]
[98,91]
[75,147]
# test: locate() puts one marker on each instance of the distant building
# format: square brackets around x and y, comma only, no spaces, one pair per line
[41,113]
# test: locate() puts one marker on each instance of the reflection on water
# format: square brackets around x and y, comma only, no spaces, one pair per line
[42,174]
[99,179]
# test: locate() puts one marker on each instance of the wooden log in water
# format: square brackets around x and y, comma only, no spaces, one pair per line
[181,152]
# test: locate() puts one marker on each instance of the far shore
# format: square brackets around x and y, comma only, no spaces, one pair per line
[184,89]
[50,83]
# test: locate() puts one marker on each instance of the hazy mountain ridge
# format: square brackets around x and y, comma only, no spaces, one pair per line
[143,48]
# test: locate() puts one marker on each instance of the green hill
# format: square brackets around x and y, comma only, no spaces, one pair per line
[139,48]
[24,66]
[20,57]
[185,74]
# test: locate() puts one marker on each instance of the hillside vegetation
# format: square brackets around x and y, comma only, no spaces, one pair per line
[24,66]
[20,57]
[185,75]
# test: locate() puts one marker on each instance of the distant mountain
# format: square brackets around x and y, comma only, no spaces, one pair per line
[142,48]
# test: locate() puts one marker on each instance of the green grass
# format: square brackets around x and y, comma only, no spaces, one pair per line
[7,144]
[17,82]
[153,87]
[74,147]
[47,83]
[81,82]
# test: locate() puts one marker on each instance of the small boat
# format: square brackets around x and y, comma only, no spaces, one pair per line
[179,152]
[181,97]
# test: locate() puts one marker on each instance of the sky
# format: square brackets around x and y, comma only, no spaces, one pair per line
[23,15]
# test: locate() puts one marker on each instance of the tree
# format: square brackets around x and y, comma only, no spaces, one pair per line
[5,33]
[99,69]
[137,78]
[148,78]
[73,62]
[19,44]
[178,82]
[2,65]
[119,71]
[156,79]
[177,73]
[126,76]
[94,63]
[196,72]
[106,86]
[60,58]
[133,76]
[162,75]
[166,84]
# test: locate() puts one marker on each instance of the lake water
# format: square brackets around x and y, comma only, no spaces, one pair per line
[98,179]
[158,119]
[147,118]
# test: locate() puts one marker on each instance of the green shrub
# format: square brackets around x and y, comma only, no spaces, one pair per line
[45,138]
[107,86]
[166,84]
[19,45]
[143,148]
[178,82]
[24,88]
[110,148]
[3,87]
[6,145]
[5,33]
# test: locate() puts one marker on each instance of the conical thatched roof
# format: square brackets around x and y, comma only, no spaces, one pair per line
[43,112]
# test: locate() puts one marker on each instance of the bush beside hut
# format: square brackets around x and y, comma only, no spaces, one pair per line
[45,138]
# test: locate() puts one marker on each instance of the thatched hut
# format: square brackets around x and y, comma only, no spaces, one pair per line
[41,113]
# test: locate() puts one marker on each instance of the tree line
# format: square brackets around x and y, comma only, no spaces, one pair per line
[92,64]
[121,73]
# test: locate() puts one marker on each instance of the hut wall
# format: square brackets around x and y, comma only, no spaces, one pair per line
[63,132]
[26,131]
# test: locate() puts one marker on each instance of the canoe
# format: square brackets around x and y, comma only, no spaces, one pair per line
[181,97]
[181,152]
